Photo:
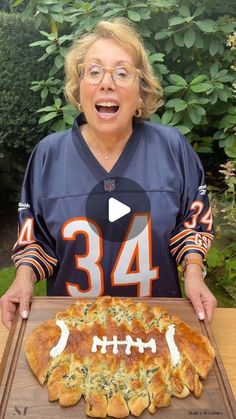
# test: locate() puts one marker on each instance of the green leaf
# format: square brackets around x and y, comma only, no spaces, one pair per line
[59,61]
[70,109]
[53,70]
[161,69]
[231,151]
[199,11]
[172,89]
[57,8]
[206,25]
[200,100]
[41,8]
[215,258]
[177,117]
[184,11]
[133,15]
[183,129]
[155,118]
[218,85]
[179,39]
[44,33]
[63,52]
[40,43]
[167,116]
[57,103]
[232,110]
[35,88]
[47,109]
[198,79]
[201,87]
[228,121]
[199,109]
[214,68]
[49,1]
[194,116]
[177,20]
[17,3]
[189,38]
[199,43]
[112,12]
[230,141]
[177,79]
[162,34]
[47,117]
[204,149]
[225,79]
[213,46]
[44,93]
[51,48]
[59,126]
[57,17]
[178,104]
[228,27]
[169,45]
[213,97]
[156,57]
[64,38]
[68,119]
[44,57]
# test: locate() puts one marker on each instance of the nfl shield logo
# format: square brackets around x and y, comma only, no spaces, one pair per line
[109,185]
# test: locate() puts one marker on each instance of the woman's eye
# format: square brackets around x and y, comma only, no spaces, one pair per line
[121,72]
[95,70]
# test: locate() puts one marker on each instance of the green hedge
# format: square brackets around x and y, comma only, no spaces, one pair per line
[19,129]
[188,45]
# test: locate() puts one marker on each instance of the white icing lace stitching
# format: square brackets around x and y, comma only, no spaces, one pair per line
[61,344]
[129,342]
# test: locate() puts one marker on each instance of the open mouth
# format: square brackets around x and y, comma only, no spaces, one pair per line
[107,107]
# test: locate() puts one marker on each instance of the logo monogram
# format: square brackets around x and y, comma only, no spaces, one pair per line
[109,185]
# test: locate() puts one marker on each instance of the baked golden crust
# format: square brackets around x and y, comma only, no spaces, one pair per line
[117,383]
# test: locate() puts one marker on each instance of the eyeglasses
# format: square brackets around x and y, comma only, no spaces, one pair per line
[122,76]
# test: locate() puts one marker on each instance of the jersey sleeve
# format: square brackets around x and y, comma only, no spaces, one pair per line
[34,246]
[194,227]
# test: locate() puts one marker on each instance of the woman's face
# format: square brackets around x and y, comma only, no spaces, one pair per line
[96,99]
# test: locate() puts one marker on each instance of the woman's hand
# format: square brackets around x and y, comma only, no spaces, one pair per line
[202,299]
[20,292]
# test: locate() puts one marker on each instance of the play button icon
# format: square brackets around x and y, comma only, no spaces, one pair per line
[117,209]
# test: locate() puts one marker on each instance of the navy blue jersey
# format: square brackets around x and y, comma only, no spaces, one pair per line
[55,236]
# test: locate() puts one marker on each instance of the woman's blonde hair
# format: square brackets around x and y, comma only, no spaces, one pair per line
[122,31]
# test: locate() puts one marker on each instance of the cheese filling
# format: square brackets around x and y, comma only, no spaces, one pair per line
[61,344]
[174,352]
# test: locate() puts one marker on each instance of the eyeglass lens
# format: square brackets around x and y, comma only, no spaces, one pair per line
[122,75]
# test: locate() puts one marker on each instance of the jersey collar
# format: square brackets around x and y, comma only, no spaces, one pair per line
[90,160]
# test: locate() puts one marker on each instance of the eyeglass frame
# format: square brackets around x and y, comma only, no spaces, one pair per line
[110,70]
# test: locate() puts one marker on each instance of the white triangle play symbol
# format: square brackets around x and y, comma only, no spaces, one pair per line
[116,209]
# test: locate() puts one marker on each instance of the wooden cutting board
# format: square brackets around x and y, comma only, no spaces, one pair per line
[22,396]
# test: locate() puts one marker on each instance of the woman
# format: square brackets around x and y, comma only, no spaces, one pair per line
[71,174]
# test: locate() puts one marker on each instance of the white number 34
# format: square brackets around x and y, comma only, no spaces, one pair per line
[136,249]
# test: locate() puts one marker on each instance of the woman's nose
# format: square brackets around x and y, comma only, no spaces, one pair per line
[107,81]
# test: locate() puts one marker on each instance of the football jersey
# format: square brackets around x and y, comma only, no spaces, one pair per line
[58,240]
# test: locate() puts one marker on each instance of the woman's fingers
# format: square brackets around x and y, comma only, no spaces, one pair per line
[8,308]
[25,305]
[202,299]
[209,302]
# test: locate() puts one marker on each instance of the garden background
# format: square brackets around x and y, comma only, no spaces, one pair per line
[192,47]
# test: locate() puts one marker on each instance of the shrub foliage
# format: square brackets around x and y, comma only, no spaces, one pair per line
[187,45]
[19,129]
